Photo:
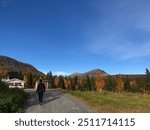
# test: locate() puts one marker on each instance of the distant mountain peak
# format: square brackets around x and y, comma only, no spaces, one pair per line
[91,73]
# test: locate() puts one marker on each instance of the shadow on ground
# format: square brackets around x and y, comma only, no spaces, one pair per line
[49,96]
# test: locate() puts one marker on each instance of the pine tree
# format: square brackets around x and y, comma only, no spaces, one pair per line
[127,86]
[50,79]
[110,84]
[75,83]
[61,82]
[88,83]
[31,80]
[28,78]
[140,84]
[20,76]
[81,84]
[93,83]
[147,80]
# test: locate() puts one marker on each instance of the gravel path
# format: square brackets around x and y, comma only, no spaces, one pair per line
[55,101]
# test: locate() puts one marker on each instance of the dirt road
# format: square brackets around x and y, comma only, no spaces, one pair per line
[55,101]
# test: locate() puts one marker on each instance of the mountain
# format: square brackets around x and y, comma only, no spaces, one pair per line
[91,73]
[8,65]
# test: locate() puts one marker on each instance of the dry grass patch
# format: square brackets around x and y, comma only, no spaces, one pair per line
[115,102]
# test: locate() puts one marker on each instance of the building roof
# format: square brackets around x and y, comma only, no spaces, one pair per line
[14,80]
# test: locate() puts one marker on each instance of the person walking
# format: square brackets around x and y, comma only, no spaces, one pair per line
[40,90]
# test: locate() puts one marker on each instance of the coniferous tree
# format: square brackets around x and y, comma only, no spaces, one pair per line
[93,84]
[147,80]
[127,86]
[110,84]
[28,78]
[146,89]
[70,83]
[81,84]
[50,79]
[31,80]
[140,84]
[88,83]
[61,82]
[75,82]
[20,76]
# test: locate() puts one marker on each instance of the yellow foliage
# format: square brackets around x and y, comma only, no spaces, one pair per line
[119,84]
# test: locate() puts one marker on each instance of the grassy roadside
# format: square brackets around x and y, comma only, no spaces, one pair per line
[11,100]
[115,102]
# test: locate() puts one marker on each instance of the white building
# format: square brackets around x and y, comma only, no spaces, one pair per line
[14,83]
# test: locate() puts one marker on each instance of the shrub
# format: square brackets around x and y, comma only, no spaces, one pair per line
[3,86]
[11,100]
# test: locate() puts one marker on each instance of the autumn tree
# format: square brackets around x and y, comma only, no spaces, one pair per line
[100,83]
[66,83]
[3,73]
[56,81]
[119,83]
[133,85]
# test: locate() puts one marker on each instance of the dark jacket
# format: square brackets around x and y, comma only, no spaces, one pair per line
[40,88]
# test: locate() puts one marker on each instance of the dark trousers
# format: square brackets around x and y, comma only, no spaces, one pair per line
[41,97]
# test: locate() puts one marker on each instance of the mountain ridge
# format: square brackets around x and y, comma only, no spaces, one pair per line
[91,73]
[8,64]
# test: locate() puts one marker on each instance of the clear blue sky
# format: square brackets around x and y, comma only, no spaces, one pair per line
[77,35]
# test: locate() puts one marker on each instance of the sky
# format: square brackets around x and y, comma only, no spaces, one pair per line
[67,36]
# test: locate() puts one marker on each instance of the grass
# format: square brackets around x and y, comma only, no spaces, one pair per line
[115,102]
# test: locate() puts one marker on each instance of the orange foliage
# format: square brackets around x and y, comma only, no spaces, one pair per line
[133,83]
[67,83]
[119,84]
[56,81]
[146,92]
[100,82]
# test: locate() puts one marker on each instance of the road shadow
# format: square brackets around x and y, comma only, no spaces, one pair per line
[49,96]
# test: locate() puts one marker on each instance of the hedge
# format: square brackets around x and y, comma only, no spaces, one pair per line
[11,100]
